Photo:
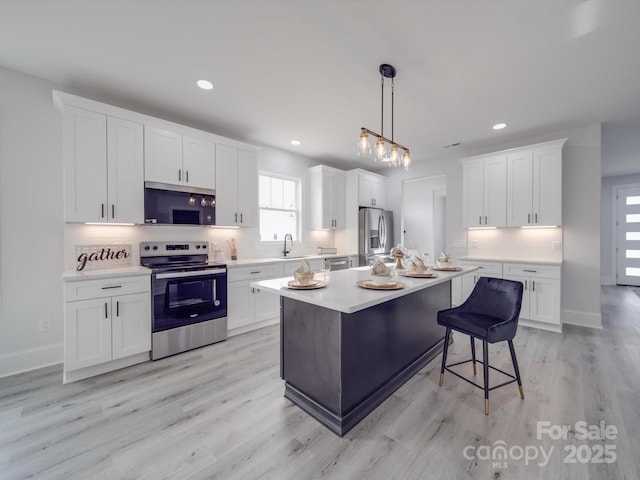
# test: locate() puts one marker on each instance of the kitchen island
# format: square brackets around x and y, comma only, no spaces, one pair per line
[345,349]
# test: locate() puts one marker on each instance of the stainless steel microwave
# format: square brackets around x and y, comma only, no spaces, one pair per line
[178,205]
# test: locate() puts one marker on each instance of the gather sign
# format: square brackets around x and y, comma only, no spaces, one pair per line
[94,257]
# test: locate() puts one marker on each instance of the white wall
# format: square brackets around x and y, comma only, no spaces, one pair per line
[582,160]
[31,223]
[35,243]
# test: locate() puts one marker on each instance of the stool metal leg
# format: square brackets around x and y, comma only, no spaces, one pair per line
[515,368]
[485,364]
[447,335]
[473,353]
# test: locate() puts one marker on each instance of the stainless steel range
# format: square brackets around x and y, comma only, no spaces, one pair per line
[189,305]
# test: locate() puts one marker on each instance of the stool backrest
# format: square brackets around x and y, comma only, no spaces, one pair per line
[496,297]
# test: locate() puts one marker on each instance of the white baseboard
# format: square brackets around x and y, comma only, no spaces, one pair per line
[582,319]
[607,280]
[30,359]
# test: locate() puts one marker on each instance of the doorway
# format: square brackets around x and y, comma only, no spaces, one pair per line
[424,208]
[628,235]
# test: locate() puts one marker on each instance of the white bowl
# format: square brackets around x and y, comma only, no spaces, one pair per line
[382,279]
[443,264]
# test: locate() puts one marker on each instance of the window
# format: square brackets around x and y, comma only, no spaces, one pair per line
[279,207]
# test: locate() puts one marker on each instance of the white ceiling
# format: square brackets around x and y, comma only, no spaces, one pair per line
[308,70]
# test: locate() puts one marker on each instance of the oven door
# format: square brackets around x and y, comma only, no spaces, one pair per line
[185,298]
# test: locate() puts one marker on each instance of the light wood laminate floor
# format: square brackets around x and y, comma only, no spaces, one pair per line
[219,412]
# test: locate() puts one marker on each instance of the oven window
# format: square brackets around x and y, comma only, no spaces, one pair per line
[193,296]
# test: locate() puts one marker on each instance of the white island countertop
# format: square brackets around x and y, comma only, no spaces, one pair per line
[343,295]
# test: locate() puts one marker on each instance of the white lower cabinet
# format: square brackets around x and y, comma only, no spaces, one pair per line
[541,295]
[104,331]
[249,308]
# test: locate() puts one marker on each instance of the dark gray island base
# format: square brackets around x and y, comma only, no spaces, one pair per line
[338,367]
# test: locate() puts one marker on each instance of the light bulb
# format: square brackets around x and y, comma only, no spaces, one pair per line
[381,151]
[406,160]
[203,202]
[192,200]
[364,147]
[394,158]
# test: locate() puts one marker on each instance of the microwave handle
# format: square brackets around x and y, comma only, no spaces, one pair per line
[196,273]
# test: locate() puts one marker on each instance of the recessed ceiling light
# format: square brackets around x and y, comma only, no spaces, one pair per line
[204,84]
[295,142]
[499,126]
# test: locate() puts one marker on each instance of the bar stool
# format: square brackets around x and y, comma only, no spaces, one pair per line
[489,314]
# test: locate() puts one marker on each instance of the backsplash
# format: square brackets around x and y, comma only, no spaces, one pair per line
[516,243]
[246,239]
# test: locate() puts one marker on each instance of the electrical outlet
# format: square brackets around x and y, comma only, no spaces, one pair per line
[45,324]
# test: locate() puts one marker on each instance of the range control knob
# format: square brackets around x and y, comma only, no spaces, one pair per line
[146,247]
[204,246]
[197,247]
[155,247]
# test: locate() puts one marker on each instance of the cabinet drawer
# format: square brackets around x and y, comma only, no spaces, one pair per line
[255,272]
[532,270]
[99,288]
[490,269]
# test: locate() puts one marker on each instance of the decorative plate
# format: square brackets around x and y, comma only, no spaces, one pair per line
[309,286]
[408,273]
[369,284]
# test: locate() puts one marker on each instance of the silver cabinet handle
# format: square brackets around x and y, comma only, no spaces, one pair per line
[102,210]
[179,174]
[525,284]
[536,215]
[480,220]
[113,211]
[533,285]
[236,217]
[117,308]
[485,220]
[112,286]
[530,271]
[187,175]
[240,217]
[106,312]
[528,218]
[256,272]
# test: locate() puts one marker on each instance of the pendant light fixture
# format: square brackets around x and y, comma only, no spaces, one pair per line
[382,153]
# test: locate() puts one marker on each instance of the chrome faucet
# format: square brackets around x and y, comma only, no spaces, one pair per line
[285,250]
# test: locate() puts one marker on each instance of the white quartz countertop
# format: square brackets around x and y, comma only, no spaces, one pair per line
[74,276]
[536,261]
[242,262]
[343,295]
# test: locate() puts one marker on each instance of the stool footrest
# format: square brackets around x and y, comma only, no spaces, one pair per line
[513,378]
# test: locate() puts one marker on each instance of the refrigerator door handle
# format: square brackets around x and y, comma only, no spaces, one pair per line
[383,232]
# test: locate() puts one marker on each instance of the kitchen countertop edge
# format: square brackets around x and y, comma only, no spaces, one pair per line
[75,276]
[535,261]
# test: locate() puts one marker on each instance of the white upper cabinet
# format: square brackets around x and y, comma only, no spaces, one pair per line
[178,160]
[103,168]
[371,189]
[484,191]
[237,187]
[534,186]
[327,198]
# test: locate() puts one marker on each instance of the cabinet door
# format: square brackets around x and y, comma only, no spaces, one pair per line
[468,283]
[125,169]
[364,192]
[378,192]
[338,200]
[267,305]
[226,185]
[545,300]
[247,188]
[456,291]
[131,324]
[240,305]
[547,187]
[85,165]
[495,191]
[199,163]
[519,189]
[472,194]
[162,156]
[87,333]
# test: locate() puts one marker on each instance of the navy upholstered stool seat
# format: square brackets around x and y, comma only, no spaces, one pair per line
[490,314]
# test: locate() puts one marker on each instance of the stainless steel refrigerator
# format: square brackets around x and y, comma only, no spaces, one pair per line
[375,235]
